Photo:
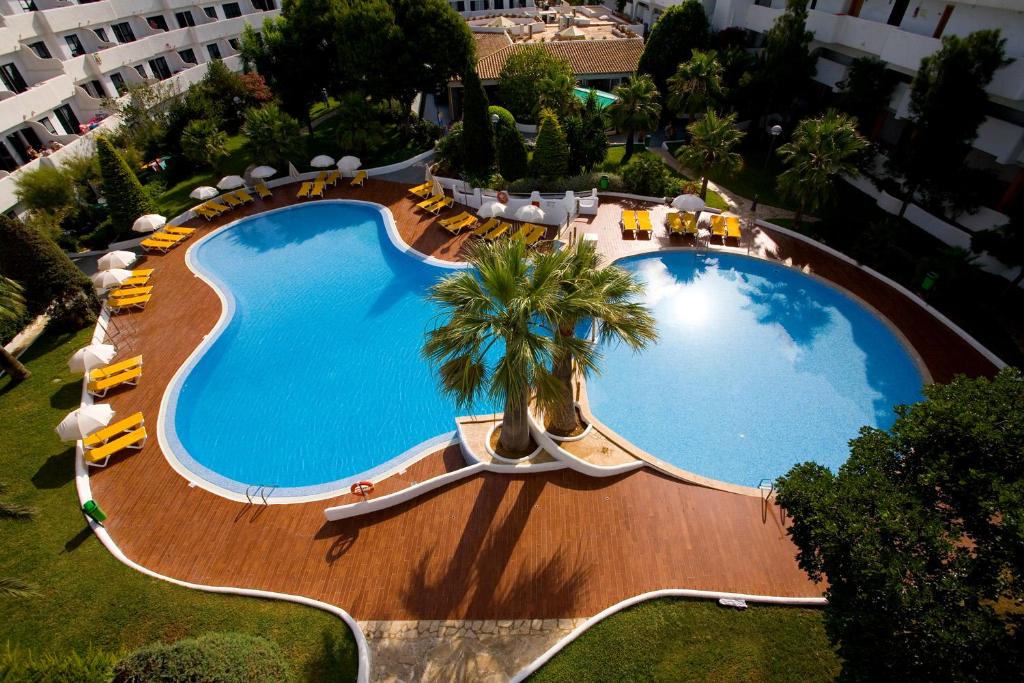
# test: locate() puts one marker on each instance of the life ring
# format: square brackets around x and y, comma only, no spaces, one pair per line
[362,488]
[503,196]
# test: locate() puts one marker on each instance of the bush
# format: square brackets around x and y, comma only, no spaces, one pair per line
[210,658]
[578,183]
[647,175]
[45,189]
[526,68]
[551,156]
[203,143]
[513,159]
[95,666]
[451,152]
[504,116]
[121,188]
[271,132]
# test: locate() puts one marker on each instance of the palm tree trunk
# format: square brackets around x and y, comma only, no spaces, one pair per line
[12,366]
[629,147]
[515,429]
[704,188]
[563,419]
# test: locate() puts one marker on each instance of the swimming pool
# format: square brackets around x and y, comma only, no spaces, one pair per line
[758,367]
[315,378]
[603,98]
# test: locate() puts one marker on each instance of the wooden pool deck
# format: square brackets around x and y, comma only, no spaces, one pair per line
[545,545]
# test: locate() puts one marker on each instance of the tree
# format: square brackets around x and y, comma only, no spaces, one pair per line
[495,310]
[121,187]
[947,105]
[920,535]
[203,143]
[696,85]
[677,32]
[358,124]
[227,92]
[477,132]
[821,150]
[451,152]
[646,175]
[585,132]
[605,295]
[713,140]
[271,133]
[527,66]
[52,283]
[787,65]
[1006,243]
[865,93]
[555,92]
[12,307]
[551,155]
[636,109]
[513,160]
[44,189]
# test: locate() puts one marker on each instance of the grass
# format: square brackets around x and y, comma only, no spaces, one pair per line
[613,164]
[87,600]
[682,640]
[754,179]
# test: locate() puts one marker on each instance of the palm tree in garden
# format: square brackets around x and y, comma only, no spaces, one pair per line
[607,296]
[499,307]
[12,305]
[636,109]
[697,84]
[713,140]
[821,149]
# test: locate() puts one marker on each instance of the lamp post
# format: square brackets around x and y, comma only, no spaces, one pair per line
[494,120]
[776,131]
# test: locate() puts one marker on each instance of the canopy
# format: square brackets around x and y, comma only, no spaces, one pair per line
[262,172]
[149,223]
[112,277]
[84,421]
[347,164]
[321,161]
[492,209]
[529,212]
[231,182]
[688,202]
[204,192]
[117,259]
[92,356]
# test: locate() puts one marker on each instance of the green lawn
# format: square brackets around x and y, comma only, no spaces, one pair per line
[87,599]
[754,179]
[683,640]
[613,164]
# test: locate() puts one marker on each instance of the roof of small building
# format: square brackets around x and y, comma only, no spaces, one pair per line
[586,57]
[489,43]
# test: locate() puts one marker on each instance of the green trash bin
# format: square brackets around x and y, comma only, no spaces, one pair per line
[929,281]
[603,183]
[94,511]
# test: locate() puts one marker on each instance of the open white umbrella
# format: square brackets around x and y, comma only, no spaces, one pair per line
[105,279]
[117,259]
[231,182]
[348,164]
[204,192]
[92,356]
[492,209]
[149,222]
[84,421]
[262,172]
[321,161]
[529,212]
[688,202]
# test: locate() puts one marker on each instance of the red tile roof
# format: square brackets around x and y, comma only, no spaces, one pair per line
[586,57]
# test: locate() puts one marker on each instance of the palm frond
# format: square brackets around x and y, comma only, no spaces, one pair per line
[15,588]
[9,510]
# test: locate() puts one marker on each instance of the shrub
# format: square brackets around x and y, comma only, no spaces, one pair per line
[522,73]
[211,658]
[121,188]
[504,116]
[513,159]
[95,666]
[478,135]
[256,87]
[45,188]
[451,152]
[646,175]
[271,132]
[551,157]
[204,143]
[577,183]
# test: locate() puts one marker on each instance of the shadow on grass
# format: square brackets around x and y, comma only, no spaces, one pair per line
[67,397]
[57,471]
[335,661]
[78,539]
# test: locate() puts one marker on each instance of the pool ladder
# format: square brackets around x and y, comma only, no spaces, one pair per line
[255,492]
[767,488]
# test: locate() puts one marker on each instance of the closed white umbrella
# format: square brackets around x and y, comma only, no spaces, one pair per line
[84,421]
[492,209]
[231,182]
[92,356]
[688,202]
[149,223]
[204,192]
[529,212]
[105,279]
[348,164]
[321,161]
[262,172]
[117,259]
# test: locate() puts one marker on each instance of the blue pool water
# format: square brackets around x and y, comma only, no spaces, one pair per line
[758,367]
[317,378]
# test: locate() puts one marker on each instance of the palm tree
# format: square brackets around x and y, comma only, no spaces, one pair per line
[636,109]
[712,140]
[821,149]
[697,84]
[554,92]
[12,305]
[606,296]
[498,307]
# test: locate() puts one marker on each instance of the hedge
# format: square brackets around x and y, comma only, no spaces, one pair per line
[121,188]
[210,658]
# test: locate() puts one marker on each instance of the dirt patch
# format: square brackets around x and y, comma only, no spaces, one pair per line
[581,426]
[511,455]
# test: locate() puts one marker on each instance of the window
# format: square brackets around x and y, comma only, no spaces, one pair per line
[27,5]
[96,88]
[118,81]
[12,79]
[233,42]
[184,19]
[142,70]
[19,147]
[211,12]
[101,33]
[32,139]
[158,66]
[460,6]
[41,50]
[264,5]
[75,45]
[188,56]
[214,50]
[68,120]
[157,23]
[7,161]
[123,32]
[48,125]
[232,10]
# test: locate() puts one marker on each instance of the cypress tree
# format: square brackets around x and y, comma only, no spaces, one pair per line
[121,188]
[513,160]
[551,156]
[477,135]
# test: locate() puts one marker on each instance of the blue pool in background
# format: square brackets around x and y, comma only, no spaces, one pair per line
[317,378]
[758,367]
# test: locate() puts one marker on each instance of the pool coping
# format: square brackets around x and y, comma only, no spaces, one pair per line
[198,474]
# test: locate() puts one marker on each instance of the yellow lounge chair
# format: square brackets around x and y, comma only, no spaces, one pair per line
[318,189]
[451,220]
[456,228]
[524,230]
[207,213]
[446,202]
[321,177]
[122,292]
[690,223]
[99,456]
[117,305]
[498,231]
[304,190]
[332,178]
[263,191]
[100,387]
[430,201]
[359,179]
[120,366]
[243,196]
[217,207]
[718,226]
[643,219]
[231,200]
[143,272]
[135,282]
[153,244]
[486,227]
[114,430]
[177,230]
[732,227]
[628,222]
[674,223]
[422,190]
[535,235]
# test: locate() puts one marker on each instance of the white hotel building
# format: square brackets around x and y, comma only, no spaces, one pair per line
[59,59]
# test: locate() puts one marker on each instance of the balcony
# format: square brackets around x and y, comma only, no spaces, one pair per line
[34,102]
